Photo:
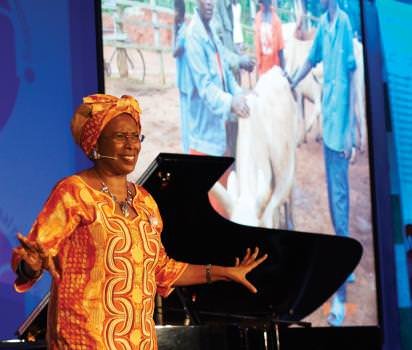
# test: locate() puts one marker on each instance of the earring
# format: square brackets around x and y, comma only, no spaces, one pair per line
[94,155]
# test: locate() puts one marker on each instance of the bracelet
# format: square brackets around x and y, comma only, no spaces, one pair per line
[22,273]
[208,273]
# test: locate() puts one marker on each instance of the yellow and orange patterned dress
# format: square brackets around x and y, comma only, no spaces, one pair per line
[110,268]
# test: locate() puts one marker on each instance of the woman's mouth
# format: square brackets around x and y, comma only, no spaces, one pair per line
[128,158]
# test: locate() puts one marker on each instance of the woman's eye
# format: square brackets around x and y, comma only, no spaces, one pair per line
[119,137]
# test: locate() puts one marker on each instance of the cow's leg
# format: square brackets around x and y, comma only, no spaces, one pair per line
[276,219]
[305,131]
[362,128]
[282,217]
[301,119]
[318,137]
[290,225]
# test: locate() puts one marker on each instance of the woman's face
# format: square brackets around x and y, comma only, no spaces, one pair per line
[120,139]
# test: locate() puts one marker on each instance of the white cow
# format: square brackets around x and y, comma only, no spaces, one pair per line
[265,160]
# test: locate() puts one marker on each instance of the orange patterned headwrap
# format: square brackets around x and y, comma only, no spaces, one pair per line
[96,111]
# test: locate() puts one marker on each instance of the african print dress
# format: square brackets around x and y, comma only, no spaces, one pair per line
[110,268]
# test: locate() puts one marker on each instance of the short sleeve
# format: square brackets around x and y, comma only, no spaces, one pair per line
[315,54]
[63,212]
[168,271]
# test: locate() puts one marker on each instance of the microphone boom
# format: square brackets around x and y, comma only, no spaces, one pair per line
[108,157]
[101,156]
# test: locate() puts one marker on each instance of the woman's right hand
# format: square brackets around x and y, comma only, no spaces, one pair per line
[34,257]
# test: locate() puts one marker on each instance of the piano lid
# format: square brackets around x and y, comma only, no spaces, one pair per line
[303,269]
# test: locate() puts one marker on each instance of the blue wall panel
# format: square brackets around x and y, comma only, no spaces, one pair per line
[38,89]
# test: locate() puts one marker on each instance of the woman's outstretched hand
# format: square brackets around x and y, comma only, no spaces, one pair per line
[243,267]
[35,257]
[197,274]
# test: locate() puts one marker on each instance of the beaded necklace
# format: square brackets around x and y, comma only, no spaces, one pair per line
[124,205]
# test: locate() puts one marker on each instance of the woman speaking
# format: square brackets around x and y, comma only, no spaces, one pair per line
[98,235]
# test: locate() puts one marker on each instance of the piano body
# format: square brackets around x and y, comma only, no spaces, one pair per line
[303,270]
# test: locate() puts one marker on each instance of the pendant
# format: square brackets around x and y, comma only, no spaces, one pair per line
[124,206]
[125,209]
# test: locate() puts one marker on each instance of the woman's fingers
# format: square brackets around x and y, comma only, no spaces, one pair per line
[249,258]
[20,237]
[246,257]
[32,248]
[248,263]
[259,261]
[51,267]
[249,286]
[35,256]
[253,264]
[26,243]
[20,252]
[255,254]
[42,254]
[30,252]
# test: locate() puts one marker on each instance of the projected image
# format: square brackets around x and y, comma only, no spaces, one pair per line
[279,85]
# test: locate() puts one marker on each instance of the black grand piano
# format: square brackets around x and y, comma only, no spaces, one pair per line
[303,270]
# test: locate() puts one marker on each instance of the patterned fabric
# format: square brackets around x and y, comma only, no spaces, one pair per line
[110,268]
[96,111]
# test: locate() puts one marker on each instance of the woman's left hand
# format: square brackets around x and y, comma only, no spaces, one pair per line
[242,268]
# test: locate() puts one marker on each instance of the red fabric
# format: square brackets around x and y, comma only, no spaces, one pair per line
[266,62]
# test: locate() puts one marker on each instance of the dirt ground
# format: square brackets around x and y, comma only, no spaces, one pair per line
[160,124]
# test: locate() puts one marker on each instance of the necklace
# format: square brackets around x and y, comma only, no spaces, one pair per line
[124,205]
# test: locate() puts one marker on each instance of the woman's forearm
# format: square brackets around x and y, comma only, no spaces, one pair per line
[199,274]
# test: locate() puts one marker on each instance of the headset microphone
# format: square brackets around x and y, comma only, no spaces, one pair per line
[100,156]
[96,156]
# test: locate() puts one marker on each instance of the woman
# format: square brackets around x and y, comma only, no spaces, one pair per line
[99,237]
